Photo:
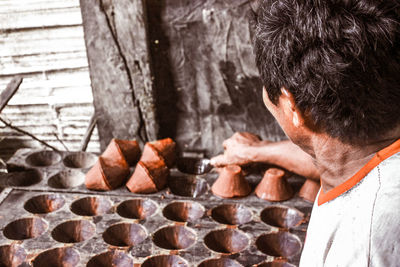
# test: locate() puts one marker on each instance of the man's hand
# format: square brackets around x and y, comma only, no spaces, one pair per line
[238,150]
[245,148]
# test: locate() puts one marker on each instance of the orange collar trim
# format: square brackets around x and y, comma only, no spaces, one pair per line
[348,184]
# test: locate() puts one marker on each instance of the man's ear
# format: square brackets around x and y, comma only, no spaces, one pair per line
[290,109]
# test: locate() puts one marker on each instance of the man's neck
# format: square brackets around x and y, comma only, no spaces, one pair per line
[337,161]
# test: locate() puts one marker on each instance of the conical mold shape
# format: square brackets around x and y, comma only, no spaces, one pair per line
[309,190]
[231,183]
[148,177]
[113,154]
[106,175]
[274,186]
[164,148]
[129,149]
[150,154]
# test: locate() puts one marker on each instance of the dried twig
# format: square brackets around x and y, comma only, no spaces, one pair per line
[61,141]
[26,133]
[9,92]
[89,131]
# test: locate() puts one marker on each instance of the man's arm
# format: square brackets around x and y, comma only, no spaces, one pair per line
[244,148]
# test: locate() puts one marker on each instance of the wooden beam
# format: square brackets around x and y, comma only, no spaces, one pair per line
[129,24]
[116,42]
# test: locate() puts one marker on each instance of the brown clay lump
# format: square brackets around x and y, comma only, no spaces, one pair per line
[231,183]
[164,148]
[274,186]
[128,149]
[112,167]
[106,175]
[309,190]
[149,177]
[152,171]
[151,154]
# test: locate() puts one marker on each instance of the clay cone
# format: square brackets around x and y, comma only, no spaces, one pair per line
[309,190]
[129,150]
[231,183]
[149,177]
[113,153]
[104,175]
[274,186]
[150,153]
[166,147]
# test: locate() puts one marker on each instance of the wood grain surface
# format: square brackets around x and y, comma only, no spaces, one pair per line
[43,41]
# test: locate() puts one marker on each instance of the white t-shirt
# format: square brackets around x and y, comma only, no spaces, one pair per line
[361,226]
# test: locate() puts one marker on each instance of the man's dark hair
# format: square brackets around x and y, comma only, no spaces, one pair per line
[339,58]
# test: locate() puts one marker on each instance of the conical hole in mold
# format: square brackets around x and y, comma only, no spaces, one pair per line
[174,237]
[73,231]
[67,179]
[165,261]
[183,211]
[60,257]
[25,228]
[80,160]
[113,258]
[43,158]
[22,177]
[282,217]
[280,244]
[44,204]
[91,206]
[125,234]
[187,186]
[12,255]
[232,214]
[139,208]
[276,263]
[221,262]
[228,241]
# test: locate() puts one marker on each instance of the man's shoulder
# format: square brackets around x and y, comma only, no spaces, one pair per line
[387,197]
[385,230]
[389,176]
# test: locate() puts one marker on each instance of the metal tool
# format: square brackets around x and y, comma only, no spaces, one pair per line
[195,166]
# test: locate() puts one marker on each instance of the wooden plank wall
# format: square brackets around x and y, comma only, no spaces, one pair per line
[43,41]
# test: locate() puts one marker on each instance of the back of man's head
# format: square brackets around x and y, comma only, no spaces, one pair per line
[339,58]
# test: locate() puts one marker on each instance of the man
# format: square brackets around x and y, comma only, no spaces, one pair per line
[331,76]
